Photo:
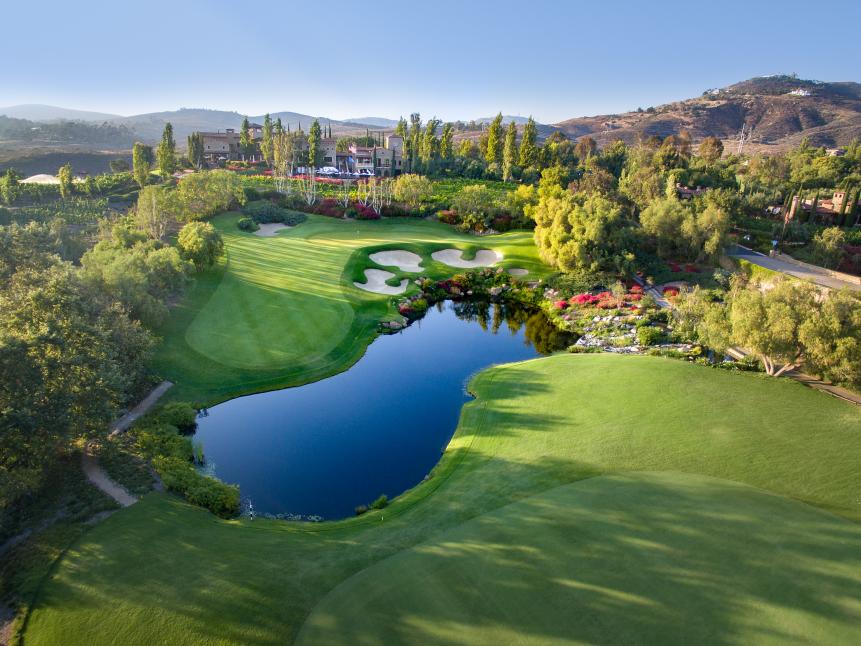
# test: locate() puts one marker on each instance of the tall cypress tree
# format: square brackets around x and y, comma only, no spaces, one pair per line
[246,142]
[314,152]
[493,154]
[195,149]
[166,154]
[509,152]
[528,147]
[266,142]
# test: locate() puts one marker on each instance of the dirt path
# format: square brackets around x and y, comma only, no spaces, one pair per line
[100,479]
[124,422]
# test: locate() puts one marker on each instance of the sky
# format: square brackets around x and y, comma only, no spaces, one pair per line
[450,59]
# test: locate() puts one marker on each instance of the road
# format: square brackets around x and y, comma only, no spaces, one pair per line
[812,274]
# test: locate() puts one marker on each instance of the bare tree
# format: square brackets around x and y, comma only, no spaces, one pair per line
[308,186]
[363,192]
[284,160]
[346,185]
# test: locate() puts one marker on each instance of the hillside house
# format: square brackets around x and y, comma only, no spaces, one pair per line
[220,147]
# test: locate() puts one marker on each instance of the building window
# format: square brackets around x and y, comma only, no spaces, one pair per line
[388,163]
[327,159]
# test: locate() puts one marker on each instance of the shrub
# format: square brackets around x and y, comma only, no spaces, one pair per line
[365,212]
[181,477]
[182,415]
[361,509]
[649,335]
[265,212]
[448,217]
[381,502]
[247,224]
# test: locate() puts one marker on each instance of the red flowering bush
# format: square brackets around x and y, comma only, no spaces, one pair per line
[560,305]
[674,267]
[584,299]
[671,291]
[329,207]
[633,297]
[366,212]
[636,289]
[692,269]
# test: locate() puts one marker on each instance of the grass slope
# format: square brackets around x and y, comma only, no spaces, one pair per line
[646,558]
[163,571]
[283,311]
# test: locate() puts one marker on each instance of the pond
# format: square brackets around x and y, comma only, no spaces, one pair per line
[319,451]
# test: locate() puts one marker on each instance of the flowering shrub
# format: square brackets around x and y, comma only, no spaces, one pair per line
[671,292]
[692,269]
[636,289]
[674,267]
[449,217]
[560,305]
[329,207]
[365,212]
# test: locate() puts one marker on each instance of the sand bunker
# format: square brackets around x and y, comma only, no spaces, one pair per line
[454,258]
[517,271]
[41,179]
[377,282]
[270,229]
[403,260]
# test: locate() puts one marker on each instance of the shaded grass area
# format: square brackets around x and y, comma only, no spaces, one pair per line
[36,534]
[283,311]
[642,558]
[164,571]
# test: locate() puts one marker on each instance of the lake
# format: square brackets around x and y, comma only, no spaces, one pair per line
[320,450]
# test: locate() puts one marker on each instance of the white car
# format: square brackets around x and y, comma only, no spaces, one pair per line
[366,172]
[328,170]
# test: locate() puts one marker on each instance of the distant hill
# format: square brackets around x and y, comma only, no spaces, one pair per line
[506,119]
[37,112]
[779,110]
[373,122]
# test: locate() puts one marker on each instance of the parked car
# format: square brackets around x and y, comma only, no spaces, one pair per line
[328,170]
[366,172]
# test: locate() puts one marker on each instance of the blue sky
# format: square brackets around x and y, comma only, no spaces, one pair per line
[460,59]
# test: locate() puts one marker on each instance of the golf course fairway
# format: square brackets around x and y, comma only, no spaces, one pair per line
[282,311]
[592,498]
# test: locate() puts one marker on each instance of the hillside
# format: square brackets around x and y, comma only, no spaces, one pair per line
[38,112]
[781,110]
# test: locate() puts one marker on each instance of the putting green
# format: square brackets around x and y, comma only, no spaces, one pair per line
[646,558]
[163,571]
[280,311]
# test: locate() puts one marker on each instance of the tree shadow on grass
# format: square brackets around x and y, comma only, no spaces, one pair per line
[647,558]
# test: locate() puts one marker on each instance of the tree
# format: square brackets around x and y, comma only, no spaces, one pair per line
[585,148]
[266,145]
[69,359]
[166,153]
[711,150]
[200,243]
[206,193]
[578,234]
[66,181]
[285,152]
[155,211]
[412,190]
[246,139]
[831,336]
[430,143]
[528,146]
[195,150]
[466,149]
[141,163]
[493,153]
[446,142]
[768,323]
[476,206]
[119,166]
[509,153]
[9,189]
[828,247]
[315,155]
